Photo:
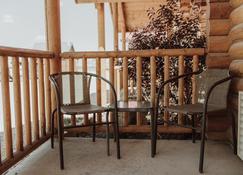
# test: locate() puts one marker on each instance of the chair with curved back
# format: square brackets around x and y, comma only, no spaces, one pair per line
[212,88]
[79,102]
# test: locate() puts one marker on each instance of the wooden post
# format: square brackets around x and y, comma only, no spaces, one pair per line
[124,70]
[115,35]
[181,87]
[53,34]
[139,86]
[100,86]
[26,96]
[115,25]
[34,98]
[17,103]
[123,32]
[41,97]
[6,107]
[166,88]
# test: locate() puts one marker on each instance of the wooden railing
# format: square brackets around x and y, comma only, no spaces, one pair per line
[29,104]
[123,84]
[26,93]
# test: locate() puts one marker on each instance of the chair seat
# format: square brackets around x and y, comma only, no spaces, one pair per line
[191,108]
[82,109]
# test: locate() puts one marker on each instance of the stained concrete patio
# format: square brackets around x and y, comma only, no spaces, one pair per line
[175,157]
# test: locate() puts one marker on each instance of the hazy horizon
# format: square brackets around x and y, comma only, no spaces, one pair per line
[23,24]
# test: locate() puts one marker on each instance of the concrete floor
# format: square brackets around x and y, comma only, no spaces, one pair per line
[175,157]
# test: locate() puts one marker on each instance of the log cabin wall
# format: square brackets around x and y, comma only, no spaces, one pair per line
[236,52]
[225,44]
[218,40]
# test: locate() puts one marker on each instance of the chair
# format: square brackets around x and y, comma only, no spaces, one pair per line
[212,87]
[77,86]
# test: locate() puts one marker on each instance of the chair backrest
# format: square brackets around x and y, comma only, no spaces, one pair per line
[206,79]
[72,87]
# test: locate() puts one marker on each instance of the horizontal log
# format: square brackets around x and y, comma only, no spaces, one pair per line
[219,27]
[218,1]
[236,33]
[19,52]
[218,44]
[236,50]
[20,155]
[114,1]
[135,129]
[220,10]
[134,53]
[236,68]
[235,3]
[236,16]
[218,60]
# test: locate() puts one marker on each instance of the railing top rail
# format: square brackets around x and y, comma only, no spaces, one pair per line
[135,53]
[19,52]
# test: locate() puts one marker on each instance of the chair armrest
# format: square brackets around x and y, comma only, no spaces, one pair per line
[161,88]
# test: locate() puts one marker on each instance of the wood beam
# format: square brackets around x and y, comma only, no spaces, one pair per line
[134,53]
[123,25]
[115,1]
[53,33]
[115,25]
[101,46]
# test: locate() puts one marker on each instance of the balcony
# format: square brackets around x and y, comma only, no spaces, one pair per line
[28,100]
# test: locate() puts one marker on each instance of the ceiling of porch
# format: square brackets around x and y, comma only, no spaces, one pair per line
[133,13]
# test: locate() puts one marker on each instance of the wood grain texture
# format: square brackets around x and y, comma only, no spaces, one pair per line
[6,108]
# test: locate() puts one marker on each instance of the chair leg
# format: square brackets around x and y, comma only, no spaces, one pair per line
[117,135]
[193,130]
[234,133]
[108,133]
[94,127]
[114,126]
[52,128]
[202,149]
[155,133]
[152,123]
[60,139]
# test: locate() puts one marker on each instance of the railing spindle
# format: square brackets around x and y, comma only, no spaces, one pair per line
[6,107]
[194,83]
[47,94]
[34,98]
[85,69]
[125,86]
[72,88]
[26,97]
[98,87]
[166,88]
[17,104]
[41,97]
[139,86]
[181,87]
[153,78]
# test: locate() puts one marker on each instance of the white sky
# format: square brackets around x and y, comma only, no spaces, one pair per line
[22,24]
